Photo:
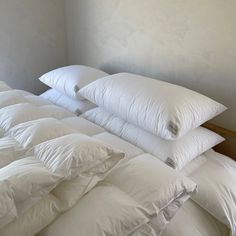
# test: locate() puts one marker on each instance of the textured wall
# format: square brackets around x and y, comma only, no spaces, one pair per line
[32,41]
[191,43]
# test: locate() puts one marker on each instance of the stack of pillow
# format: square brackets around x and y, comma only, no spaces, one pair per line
[65,83]
[165,120]
[161,118]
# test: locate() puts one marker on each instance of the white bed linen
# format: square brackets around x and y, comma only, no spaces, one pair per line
[10,151]
[105,210]
[13,115]
[35,219]
[129,149]
[216,181]
[192,220]
[170,111]
[176,153]
[83,126]
[37,214]
[74,105]
[70,79]
[11,97]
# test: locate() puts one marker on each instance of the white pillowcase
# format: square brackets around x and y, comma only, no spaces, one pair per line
[105,210]
[11,97]
[74,105]
[175,153]
[31,133]
[158,188]
[70,79]
[216,181]
[164,109]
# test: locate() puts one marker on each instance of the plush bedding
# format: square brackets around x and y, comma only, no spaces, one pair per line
[195,221]
[76,106]
[23,126]
[177,153]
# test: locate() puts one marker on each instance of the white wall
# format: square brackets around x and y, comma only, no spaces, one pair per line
[32,41]
[191,43]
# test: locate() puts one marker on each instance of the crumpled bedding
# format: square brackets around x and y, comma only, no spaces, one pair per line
[48,207]
[27,178]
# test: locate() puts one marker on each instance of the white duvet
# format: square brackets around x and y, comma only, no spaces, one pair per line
[30,167]
[25,182]
[45,154]
[34,164]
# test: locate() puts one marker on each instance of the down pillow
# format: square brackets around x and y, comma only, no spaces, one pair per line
[176,153]
[164,109]
[76,106]
[216,181]
[70,79]
[105,210]
[158,188]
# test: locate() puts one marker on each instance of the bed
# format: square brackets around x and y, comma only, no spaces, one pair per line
[195,217]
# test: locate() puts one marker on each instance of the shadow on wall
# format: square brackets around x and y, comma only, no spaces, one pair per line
[189,43]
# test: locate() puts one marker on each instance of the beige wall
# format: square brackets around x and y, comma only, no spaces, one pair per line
[191,43]
[32,41]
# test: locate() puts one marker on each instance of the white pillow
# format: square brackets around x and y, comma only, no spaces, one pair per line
[216,181]
[70,79]
[105,210]
[164,109]
[4,86]
[11,97]
[176,153]
[31,133]
[158,188]
[76,106]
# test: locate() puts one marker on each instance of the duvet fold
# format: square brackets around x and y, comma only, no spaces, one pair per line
[24,182]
